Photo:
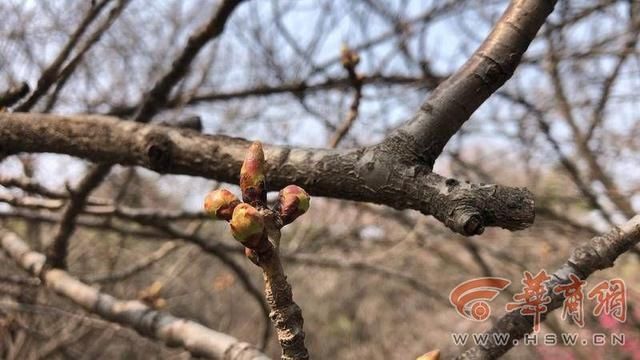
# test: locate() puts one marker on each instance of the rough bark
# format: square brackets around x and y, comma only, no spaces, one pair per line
[373,174]
[173,331]
[285,315]
[597,254]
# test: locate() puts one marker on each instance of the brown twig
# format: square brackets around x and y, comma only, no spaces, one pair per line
[350,60]
[71,66]
[285,314]
[50,74]
[13,95]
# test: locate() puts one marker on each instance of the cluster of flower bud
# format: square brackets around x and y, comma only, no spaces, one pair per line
[246,220]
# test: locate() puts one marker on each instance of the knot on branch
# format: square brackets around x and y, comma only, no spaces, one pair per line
[466,220]
[159,150]
[471,207]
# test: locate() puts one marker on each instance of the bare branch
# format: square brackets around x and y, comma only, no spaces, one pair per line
[159,94]
[13,95]
[173,331]
[350,60]
[347,174]
[455,100]
[57,253]
[50,74]
[151,104]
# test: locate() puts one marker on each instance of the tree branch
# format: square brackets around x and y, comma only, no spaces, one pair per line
[149,107]
[13,95]
[457,98]
[159,94]
[599,253]
[50,74]
[173,331]
[346,174]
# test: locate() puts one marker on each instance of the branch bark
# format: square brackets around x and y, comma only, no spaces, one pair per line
[599,253]
[358,174]
[491,65]
[173,331]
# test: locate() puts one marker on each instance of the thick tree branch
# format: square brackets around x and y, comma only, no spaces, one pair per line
[599,253]
[346,174]
[173,331]
[455,100]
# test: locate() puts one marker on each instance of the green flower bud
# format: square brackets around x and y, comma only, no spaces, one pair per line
[252,176]
[293,201]
[220,204]
[247,226]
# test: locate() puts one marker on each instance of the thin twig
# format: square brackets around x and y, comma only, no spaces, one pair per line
[50,74]
[13,95]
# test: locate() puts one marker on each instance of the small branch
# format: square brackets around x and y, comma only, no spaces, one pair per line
[50,74]
[350,60]
[147,262]
[597,254]
[295,88]
[596,171]
[174,332]
[69,69]
[13,95]
[608,83]
[285,314]
[159,94]
[57,253]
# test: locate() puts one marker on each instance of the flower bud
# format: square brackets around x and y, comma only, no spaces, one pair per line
[220,204]
[247,226]
[431,355]
[293,201]
[252,177]
[349,57]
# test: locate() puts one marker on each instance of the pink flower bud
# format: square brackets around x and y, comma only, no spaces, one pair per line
[252,176]
[220,204]
[293,201]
